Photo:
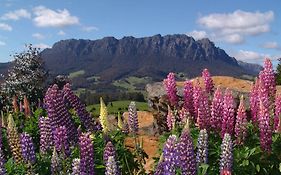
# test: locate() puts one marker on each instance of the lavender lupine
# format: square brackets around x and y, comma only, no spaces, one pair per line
[169,153]
[254,101]
[196,97]
[241,123]
[267,75]
[185,157]
[14,140]
[171,89]
[160,166]
[109,150]
[203,111]
[228,114]
[75,167]
[111,166]
[202,147]
[28,151]
[133,118]
[56,166]
[217,110]
[61,141]
[265,128]
[208,81]
[171,119]
[79,107]
[188,98]
[46,138]
[226,158]
[86,154]
[277,116]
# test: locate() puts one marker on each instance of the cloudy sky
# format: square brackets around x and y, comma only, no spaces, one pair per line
[247,31]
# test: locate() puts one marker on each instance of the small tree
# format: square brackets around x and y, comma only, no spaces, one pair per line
[278,72]
[26,76]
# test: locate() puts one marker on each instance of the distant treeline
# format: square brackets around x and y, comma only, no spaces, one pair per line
[93,98]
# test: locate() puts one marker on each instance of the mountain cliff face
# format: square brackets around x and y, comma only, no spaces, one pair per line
[111,59]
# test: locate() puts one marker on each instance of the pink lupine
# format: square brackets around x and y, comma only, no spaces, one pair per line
[254,101]
[267,75]
[203,111]
[208,81]
[217,110]
[171,89]
[228,113]
[277,117]
[171,119]
[183,114]
[196,92]
[188,97]
[263,95]
[265,128]
[241,123]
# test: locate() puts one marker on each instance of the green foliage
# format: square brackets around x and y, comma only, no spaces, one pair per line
[278,73]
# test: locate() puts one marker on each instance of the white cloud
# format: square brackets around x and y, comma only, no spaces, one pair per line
[16,15]
[61,33]
[233,27]
[38,36]
[271,45]
[2,43]
[42,46]
[197,35]
[251,56]
[4,26]
[50,18]
[89,28]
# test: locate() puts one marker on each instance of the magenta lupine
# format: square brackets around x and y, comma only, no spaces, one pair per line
[208,81]
[203,119]
[75,167]
[226,159]
[86,154]
[171,119]
[188,98]
[46,137]
[169,155]
[196,93]
[133,121]
[171,89]
[183,114]
[202,148]
[265,128]
[185,158]
[254,101]
[267,75]
[277,117]
[217,110]
[111,166]
[241,123]
[263,95]
[27,146]
[228,114]
[79,107]
[61,141]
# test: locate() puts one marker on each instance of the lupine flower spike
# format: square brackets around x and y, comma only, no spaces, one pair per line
[75,167]
[61,141]
[46,138]
[188,98]
[196,93]
[171,89]
[103,116]
[28,151]
[86,154]
[208,81]
[171,119]
[203,119]
[254,101]
[241,123]
[228,114]
[217,110]
[133,118]
[26,104]
[226,160]
[169,155]
[265,129]
[111,166]
[2,161]
[267,75]
[55,163]
[277,117]
[120,123]
[202,147]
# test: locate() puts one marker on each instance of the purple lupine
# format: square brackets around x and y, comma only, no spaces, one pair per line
[111,167]
[79,107]
[169,153]
[208,81]
[265,128]
[109,150]
[171,89]
[171,119]
[228,114]
[133,118]
[203,111]
[188,98]
[241,123]
[56,166]
[58,113]
[160,166]
[226,158]
[196,93]
[267,75]
[27,146]
[217,110]
[2,160]
[202,147]
[185,158]
[46,138]
[254,101]
[86,154]
[61,141]
[277,117]
[75,167]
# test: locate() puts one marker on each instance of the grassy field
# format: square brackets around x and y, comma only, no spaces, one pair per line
[76,74]
[131,83]
[117,106]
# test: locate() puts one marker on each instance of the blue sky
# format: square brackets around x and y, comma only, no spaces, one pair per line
[249,31]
